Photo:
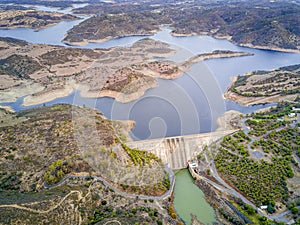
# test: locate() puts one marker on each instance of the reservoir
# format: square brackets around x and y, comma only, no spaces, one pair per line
[187,105]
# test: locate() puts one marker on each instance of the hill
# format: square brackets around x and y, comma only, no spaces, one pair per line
[30,18]
[259,24]
[265,86]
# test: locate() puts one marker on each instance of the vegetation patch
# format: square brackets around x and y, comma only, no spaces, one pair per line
[283,81]
[262,180]
[140,157]
[20,66]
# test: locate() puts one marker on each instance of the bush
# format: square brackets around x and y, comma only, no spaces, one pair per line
[294,210]
[103,202]
[270,209]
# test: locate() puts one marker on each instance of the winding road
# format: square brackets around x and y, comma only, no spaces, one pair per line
[79,194]
[280,217]
[124,194]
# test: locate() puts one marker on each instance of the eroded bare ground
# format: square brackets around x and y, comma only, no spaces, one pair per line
[45,72]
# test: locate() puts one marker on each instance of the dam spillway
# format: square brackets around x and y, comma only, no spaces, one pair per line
[177,151]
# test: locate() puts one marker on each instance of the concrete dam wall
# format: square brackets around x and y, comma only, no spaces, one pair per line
[176,151]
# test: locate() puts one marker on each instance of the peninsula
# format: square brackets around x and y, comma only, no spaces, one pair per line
[261,87]
[45,72]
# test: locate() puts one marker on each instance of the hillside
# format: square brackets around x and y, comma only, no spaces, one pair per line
[104,27]
[45,72]
[265,86]
[30,18]
[260,24]
[261,161]
[41,147]
[77,140]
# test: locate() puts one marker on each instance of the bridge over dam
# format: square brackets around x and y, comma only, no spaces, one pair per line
[176,151]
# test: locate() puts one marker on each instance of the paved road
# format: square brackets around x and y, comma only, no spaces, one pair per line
[297,158]
[280,217]
[256,154]
[228,189]
[231,190]
[124,194]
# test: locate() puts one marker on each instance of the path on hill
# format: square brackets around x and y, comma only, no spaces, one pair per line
[79,194]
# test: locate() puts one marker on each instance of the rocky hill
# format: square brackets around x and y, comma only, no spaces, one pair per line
[45,72]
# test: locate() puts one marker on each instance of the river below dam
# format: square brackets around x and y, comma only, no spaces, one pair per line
[187,105]
[189,196]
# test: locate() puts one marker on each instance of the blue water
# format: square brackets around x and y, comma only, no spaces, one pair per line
[189,104]
[55,9]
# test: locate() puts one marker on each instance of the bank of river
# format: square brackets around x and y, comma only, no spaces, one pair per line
[189,199]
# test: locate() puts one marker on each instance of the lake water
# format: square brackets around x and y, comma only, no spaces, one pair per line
[187,105]
[55,9]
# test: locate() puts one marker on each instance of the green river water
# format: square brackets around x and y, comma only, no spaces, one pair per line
[189,199]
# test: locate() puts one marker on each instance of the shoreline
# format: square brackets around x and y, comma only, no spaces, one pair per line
[101,40]
[247,45]
[85,93]
[7,108]
[269,48]
[48,96]
[251,101]
[228,120]
[39,13]
[118,96]
[217,54]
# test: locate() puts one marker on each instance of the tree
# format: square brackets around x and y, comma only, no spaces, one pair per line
[270,209]
[250,210]
[294,210]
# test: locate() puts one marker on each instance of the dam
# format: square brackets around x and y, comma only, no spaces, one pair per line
[177,151]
